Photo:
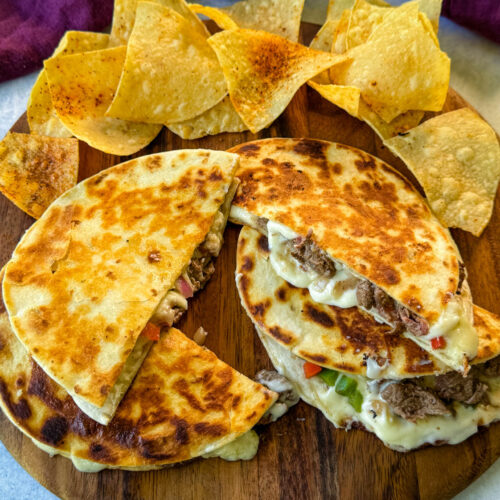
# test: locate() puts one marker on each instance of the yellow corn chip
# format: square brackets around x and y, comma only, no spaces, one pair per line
[217,15]
[35,170]
[401,124]
[82,87]
[337,7]
[432,9]
[221,118]
[171,74]
[263,72]
[323,41]
[42,118]
[364,18]
[124,18]
[456,158]
[281,17]
[339,42]
[399,68]
[346,98]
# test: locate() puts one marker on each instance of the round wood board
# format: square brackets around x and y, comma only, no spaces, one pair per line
[302,456]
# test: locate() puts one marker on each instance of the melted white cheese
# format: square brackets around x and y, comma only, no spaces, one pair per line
[243,447]
[395,432]
[330,291]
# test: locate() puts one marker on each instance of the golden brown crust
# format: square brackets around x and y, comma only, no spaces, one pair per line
[183,402]
[341,339]
[80,286]
[362,212]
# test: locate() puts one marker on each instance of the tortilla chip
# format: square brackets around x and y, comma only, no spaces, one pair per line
[339,45]
[456,158]
[42,118]
[432,9]
[419,73]
[364,18]
[337,7]
[346,98]
[323,41]
[217,15]
[401,124]
[124,19]
[221,118]
[82,87]
[280,17]
[171,74]
[263,71]
[35,170]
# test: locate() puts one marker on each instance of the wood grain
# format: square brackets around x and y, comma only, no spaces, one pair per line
[301,456]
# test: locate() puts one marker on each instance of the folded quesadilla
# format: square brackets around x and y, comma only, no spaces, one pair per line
[183,403]
[356,371]
[355,233]
[115,256]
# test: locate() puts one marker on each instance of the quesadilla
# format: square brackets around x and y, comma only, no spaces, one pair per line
[117,255]
[354,232]
[356,371]
[184,403]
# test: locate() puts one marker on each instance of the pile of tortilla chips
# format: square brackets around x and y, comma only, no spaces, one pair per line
[394,71]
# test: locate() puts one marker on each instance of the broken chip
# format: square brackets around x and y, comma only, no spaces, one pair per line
[263,71]
[82,87]
[35,170]
[171,74]
[456,158]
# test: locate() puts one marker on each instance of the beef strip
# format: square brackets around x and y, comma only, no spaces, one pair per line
[288,396]
[454,386]
[364,294]
[411,401]
[491,368]
[369,296]
[311,257]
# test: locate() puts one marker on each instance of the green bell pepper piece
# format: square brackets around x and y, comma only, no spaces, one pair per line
[356,400]
[345,385]
[329,376]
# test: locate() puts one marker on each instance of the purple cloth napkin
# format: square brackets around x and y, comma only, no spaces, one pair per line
[31,29]
[482,16]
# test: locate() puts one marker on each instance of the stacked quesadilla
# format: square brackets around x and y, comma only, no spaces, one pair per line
[348,278]
[112,261]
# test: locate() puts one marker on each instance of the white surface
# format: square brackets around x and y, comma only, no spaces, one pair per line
[475,73]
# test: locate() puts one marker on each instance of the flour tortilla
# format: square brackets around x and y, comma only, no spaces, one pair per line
[348,340]
[81,285]
[363,214]
[395,432]
[183,403]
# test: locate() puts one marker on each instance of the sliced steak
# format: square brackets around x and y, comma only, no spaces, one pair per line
[454,386]
[365,294]
[385,305]
[414,324]
[462,274]
[411,402]
[491,368]
[311,257]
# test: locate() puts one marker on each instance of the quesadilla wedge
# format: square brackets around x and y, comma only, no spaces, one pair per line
[122,250]
[352,230]
[356,371]
[404,415]
[183,403]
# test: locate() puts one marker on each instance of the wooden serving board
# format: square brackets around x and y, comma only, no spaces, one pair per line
[302,456]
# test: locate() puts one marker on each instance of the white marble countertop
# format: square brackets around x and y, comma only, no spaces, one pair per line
[475,74]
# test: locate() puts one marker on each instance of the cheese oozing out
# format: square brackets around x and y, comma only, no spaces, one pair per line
[340,290]
[396,432]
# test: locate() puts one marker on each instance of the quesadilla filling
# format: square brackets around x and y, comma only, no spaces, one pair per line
[198,271]
[302,263]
